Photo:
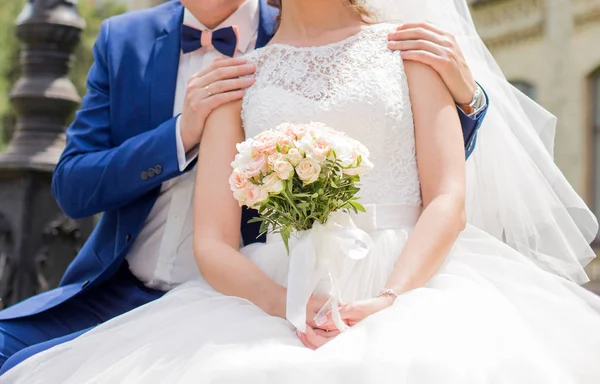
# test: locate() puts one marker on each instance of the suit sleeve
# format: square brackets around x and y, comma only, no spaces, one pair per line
[470,126]
[93,175]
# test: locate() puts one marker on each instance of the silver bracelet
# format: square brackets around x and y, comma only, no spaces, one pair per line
[386,292]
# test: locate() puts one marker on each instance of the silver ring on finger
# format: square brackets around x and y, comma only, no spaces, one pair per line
[208,92]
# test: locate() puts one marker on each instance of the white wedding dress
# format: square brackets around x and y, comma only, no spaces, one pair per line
[490,315]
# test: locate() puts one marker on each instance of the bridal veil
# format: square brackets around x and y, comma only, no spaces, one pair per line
[515,190]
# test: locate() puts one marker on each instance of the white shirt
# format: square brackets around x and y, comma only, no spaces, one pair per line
[162,256]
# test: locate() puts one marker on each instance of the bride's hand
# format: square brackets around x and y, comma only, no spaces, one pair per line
[316,335]
[316,338]
[314,305]
[356,312]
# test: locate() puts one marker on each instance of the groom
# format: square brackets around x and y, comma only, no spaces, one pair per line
[135,140]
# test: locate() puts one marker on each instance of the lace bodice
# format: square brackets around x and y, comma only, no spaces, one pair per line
[357,86]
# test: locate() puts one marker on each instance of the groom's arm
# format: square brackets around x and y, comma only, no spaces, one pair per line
[427,44]
[472,120]
[93,175]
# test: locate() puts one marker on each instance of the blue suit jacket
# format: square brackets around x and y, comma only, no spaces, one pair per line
[125,128]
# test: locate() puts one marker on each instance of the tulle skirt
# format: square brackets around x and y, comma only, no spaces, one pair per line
[488,316]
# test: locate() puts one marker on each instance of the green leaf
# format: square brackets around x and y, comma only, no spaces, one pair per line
[285,235]
[358,206]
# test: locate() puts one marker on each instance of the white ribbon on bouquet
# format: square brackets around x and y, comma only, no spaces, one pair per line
[318,255]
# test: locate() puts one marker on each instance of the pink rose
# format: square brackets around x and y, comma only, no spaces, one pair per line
[299,131]
[255,195]
[321,148]
[266,142]
[237,180]
[274,158]
[257,165]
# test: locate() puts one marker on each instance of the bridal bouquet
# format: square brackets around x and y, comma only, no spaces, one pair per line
[296,175]
[303,178]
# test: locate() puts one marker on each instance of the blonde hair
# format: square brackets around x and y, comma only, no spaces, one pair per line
[356,4]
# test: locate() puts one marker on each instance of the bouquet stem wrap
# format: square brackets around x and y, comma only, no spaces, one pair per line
[318,255]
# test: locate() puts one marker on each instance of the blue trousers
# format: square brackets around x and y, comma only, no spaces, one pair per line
[21,338]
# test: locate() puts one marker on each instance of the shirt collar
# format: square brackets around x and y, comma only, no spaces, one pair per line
[246,18]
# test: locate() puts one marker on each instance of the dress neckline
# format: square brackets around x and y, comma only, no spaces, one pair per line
[325,46]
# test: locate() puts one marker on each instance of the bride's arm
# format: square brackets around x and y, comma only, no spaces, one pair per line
[441,163]
[217,218]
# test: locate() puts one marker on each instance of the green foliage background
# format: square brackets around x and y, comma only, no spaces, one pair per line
[93,12]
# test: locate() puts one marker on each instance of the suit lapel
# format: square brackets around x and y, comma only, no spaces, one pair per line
[267,24]
[164,65]
[162,76]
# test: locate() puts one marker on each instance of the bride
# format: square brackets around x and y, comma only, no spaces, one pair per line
[472,274]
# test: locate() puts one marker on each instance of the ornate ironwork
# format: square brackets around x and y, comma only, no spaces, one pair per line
[36,240]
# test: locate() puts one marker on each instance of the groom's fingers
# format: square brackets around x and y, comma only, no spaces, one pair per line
[425,25]
[428,58]
[419,34]
[217,100]
[230,72]
[222,86]
[220,63]
[423,45]
[219,71]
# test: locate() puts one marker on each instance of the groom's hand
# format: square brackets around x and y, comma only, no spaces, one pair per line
[425,43]
[225,80]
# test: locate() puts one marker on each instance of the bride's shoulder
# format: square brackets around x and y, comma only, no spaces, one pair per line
[258,56]
[382,28]
[375,37]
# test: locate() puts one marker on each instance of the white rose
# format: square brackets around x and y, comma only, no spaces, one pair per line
[283,168]
[308,170]
[240,196]
[365,165]
[305,145]
[294,156]
[344,152]
[244,154]
[361,149]
[273,184]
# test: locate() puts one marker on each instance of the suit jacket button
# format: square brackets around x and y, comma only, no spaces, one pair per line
[127,237]
[151,172]
[158,169]
[144,175]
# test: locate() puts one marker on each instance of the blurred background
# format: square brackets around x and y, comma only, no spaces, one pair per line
[549,49]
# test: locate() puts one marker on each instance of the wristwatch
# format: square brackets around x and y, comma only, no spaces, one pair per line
[476,104]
